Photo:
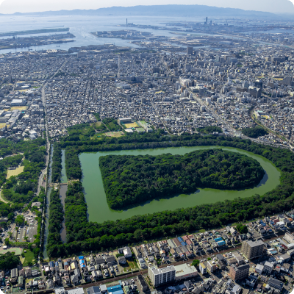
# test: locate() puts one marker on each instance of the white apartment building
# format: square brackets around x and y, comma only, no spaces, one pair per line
[159,276]
[203,268]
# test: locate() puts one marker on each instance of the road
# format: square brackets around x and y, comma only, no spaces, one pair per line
[41,182]
[217,116]
[268,129]
[162,120]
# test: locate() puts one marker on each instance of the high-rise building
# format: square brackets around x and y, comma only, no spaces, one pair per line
[203,268]
[189,50]
[159,276]
[239,272]
[252,249]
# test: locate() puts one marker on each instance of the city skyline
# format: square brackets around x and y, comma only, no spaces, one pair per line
[12,6]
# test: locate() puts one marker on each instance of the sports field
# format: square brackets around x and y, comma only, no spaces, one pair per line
[19,108]
[132,125]
[16,250]
[114,134]
[14,172]
[2,125]
[142,123]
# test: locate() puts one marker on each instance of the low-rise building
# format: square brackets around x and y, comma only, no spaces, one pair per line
[211,266]
[185,271]
[274,283]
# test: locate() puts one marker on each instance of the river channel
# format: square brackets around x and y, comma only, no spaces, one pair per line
[99,211]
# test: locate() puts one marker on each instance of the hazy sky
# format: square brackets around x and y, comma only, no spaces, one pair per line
[11,6]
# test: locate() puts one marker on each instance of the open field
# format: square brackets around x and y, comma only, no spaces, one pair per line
[14,172]
[16,250]
[29,257]
[19,108]
[22,91]
[98,136]
[2,125]
[142,123]
[96,124]
[131,265]
[132,125]
[114,134]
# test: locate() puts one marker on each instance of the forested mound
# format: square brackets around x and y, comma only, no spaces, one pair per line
[254,132]
[135,179]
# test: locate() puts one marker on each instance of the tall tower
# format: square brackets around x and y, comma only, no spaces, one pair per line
[118,65]
[126,22]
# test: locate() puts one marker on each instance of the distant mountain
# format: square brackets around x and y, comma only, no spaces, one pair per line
[163,10]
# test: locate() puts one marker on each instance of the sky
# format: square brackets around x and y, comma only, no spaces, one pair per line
[11,6]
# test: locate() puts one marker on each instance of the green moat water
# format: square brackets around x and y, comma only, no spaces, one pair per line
[99,211]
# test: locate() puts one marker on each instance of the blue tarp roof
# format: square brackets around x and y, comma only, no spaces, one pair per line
[117,292]
[218,239]
[114,288]
[81,257]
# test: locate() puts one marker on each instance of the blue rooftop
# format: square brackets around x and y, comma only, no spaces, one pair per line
[114,288]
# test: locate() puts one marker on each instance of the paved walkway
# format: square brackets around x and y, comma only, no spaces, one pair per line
[2,199]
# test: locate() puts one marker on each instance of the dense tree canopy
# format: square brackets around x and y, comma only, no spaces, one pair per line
[55,218]
[111,124]
[254,132]
[19,220]
[10,161]
[20,189]
[242,229]
[136,179]
[209,130]
[56,163]
[8,261]
[75,210]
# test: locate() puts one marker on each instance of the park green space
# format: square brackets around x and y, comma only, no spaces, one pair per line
[99,211]
[28,258]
